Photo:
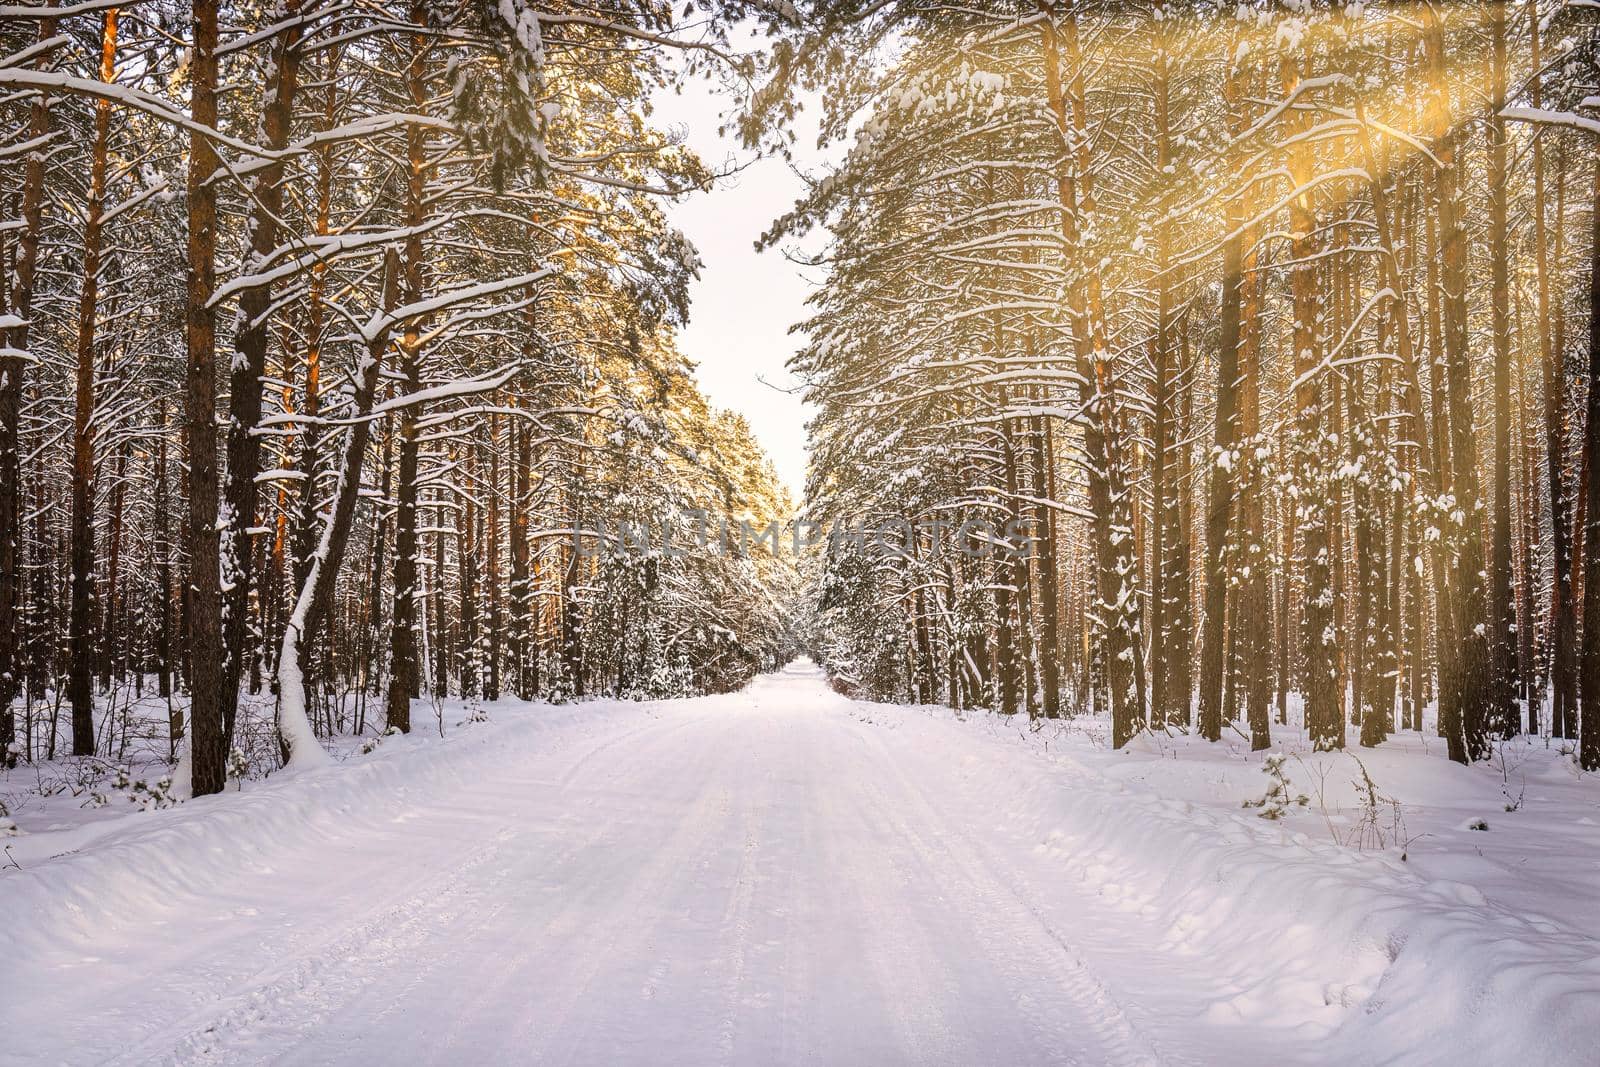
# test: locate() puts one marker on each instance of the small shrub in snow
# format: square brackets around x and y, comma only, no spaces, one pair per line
[1381,822]
[1279,798]
[145,794]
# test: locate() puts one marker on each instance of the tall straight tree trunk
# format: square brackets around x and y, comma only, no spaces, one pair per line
[1410,419]
[208,735]
[491,683]
[1183,606]
[1117,610]
[1530,669]
[377,571]
[1465,692]
[1323,708]
[80,638]
[249,364]
[1220,495]
[1019,566]
[402,637]
[467,545]
[1589,658]
[14,360]
[517,530]
[1220,471]
[571,631]
[1500,714]
[113,645]
[1050,637]
[1563,619]
[1219,500]
[1007,662]
[441,635]
[1169,565]
[1375,537]
[1448,721]
[163,551]
[403,672]
[1252,618]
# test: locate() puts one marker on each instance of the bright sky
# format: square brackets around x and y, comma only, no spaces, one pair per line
[745,302]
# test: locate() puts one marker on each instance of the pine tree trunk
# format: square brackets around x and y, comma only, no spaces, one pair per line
[1118,606]
[12,374]
[1220,471]
[314,598]
[1563,618]
[208,735]
[403,673]
[517,529]
[1500,714]
[467,542]
[80,636]
[113,648]
[1589,658]
[1020,578]
[1252,624]
[442,638]
[1168,572]
[249,363]
[1005,644]
[403,665]
[1324,716]
[1044,491]
[491,685]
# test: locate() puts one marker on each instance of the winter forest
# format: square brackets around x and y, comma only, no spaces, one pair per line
[1203,398]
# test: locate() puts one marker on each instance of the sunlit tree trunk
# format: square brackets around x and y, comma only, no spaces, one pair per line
[1563,618]
[1169,564]
[80,636]
[1500,713]
[1219,473]
[1465,687]
[1117,608]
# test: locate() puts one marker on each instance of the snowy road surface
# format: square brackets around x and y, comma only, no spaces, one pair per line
[778,876]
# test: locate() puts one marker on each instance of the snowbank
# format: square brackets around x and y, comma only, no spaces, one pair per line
[146,864]
[1358,953]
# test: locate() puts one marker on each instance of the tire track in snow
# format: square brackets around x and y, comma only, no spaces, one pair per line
[936,835]
[628,922]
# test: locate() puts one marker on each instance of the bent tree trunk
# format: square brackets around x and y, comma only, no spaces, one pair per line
[295,736]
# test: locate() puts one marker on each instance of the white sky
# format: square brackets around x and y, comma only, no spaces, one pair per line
[744,303]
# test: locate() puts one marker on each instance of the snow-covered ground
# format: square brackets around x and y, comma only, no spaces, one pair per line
[786,876]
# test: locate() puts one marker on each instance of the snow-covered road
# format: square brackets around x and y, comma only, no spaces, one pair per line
[772,877]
